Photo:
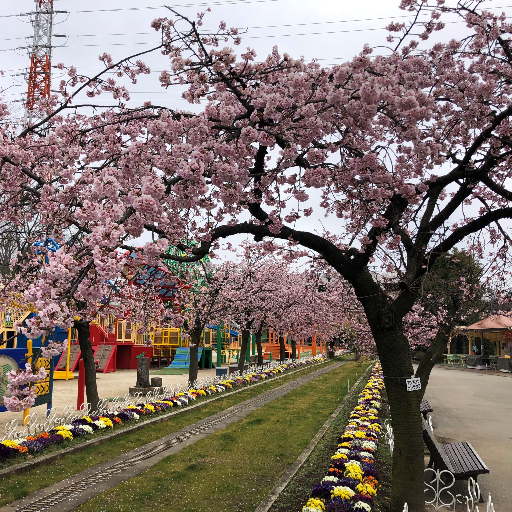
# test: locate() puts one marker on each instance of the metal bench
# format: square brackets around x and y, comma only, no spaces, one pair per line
[425,408]
[460,459]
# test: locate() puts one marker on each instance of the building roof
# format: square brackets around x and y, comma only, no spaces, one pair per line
[492,322]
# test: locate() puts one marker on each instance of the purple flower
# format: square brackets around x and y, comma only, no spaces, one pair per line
[348,482]
[76,432]
[339,505]
[6,452]
[323,490]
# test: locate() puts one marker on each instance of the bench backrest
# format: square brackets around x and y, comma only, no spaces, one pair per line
[436,450]
[425,407]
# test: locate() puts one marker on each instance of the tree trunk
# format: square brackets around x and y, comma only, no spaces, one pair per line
[195,340]
[433,355]
[408,462]
[294,349]
[282,349]
[259,349]
[84,341]
[243,349]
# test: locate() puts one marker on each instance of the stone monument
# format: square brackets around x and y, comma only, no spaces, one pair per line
[143,385]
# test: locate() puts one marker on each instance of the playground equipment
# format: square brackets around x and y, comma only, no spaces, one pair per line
[227,341]
[272,351]
[63,370]
[13,359]
[123,341]
[8,316]
[182,358]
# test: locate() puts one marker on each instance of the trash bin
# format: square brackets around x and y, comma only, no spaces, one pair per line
[221,371]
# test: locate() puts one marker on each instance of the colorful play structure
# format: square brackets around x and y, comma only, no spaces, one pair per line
[117,342]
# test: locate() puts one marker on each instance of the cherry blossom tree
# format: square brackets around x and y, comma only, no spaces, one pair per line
[259,287]
[407,155]
[200,304]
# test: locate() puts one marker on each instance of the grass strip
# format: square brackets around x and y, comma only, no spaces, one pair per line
[17,486]
[235,468]
[314,469]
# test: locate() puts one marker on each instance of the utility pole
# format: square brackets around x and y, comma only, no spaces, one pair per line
[39,77]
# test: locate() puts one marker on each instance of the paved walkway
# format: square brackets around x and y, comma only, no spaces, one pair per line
[70,493]
[476,406]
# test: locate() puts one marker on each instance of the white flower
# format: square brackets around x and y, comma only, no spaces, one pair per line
[333,479]
[369,445]
[86,428]
[135,416]
[100,424]
[361,505]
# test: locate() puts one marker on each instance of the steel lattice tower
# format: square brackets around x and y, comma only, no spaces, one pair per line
[39,77]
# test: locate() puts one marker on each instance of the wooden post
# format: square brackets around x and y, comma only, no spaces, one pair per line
[26,412]
[219,347]
[68,354]
[253,338]
[313,345]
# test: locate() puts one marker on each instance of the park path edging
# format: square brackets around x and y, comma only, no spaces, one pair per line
[272,496]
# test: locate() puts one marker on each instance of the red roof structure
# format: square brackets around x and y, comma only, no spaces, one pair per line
[493,322]
[496,328]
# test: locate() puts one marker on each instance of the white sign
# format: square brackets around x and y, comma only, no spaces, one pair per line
[413,384]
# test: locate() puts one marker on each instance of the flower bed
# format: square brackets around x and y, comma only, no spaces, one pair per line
[87,425]
[352,482]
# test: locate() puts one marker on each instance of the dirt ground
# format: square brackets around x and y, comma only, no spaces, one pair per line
[476,406]
[110,385]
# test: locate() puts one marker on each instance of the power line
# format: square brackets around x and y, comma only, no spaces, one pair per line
[267,36]
[150,8]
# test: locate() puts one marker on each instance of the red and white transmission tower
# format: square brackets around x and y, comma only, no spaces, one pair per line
[39,77]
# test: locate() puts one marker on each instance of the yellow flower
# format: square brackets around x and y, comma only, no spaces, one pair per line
[314,504]
[66,434]
[354,471]
[339,456]
[10,444]
[366,489]
[107,421]
[345,493]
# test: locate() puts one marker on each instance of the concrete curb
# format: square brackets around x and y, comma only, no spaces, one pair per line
[47,459]
[272,496]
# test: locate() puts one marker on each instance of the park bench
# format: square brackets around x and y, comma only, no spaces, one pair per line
[460,459]
[425,408]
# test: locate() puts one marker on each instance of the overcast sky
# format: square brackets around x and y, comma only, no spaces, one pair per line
[329,30]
